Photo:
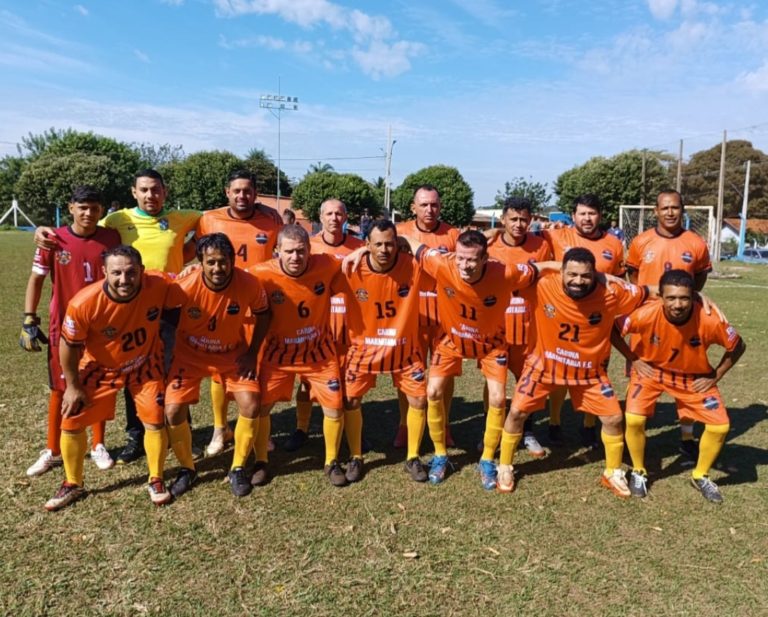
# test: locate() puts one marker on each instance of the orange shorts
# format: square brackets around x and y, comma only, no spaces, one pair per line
[276,382]
[429,337]
[706,407]
[189,368]
[598,399]
[516,359]
[56,379]
[447,362]
[410,380]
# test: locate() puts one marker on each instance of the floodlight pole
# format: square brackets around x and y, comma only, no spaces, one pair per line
[388,175]
[277,104]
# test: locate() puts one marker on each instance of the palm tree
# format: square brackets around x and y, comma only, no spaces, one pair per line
[320,168]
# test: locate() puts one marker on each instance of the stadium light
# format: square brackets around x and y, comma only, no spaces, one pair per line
[276,104]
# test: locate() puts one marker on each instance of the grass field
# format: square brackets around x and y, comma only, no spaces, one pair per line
[559,545]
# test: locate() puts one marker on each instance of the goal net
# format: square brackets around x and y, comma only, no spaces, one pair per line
[634,220]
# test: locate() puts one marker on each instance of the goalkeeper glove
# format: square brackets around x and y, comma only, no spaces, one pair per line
[31,335]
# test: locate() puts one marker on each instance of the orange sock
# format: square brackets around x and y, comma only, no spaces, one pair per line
[97,433]
[54,422]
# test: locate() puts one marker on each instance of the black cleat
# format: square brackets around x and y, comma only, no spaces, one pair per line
[239,482]
[555,435]
[295,441]
[414,467]
[132,451]
[184,481]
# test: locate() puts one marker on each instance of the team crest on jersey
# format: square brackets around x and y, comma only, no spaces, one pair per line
[649,257]
[319,288]
[655,339]
[334,385]
[711,403]
[667,266]
[153,313]
[362,295]
[695,341]
[549,310]
[501,360]
[403,290]
[489,300]
[687,257]
[64,257]
[418,375]
[233,309]
[163,224]
[595,318]
[261,238]
[109,332]
[449,291]
[277,297]
[194,312]
[607,254]
[606,390]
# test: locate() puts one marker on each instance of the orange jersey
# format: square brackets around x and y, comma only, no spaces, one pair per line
[382,316]
[212,321]
[443,238]
[573,337]
[299,331]
[679,352]
[319,246]
[120,337]
[533,248]
[472,315]
[607,249]
[254,238]
[651,255]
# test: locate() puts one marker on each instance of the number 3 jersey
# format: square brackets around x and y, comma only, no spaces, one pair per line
[572,338]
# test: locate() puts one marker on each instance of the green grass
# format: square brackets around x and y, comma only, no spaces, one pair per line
[559,545]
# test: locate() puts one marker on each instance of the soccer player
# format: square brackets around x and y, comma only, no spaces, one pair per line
[573,315]
[73,264]
[252,228]
[428,229]
[472,298]
[513,246]
[332,240]
[289,217]
[299,344]
[216,302]
[669,246]
[382,319]
[110,340]
[670,355]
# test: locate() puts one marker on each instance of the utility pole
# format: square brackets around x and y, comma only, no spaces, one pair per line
[679,184]
[743,228]
[388,175]
[720,200]
[277,104]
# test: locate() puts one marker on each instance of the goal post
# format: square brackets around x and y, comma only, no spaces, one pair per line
[634,220]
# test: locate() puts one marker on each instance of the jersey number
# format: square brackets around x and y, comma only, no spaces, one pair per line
[242,252]
[672,357]
[468,312]
[569,332]
[303,310]
[385,309]
[88,272]
[132,340]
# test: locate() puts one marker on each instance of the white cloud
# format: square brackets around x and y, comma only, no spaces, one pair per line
[662,9]
[30,58]
[757,80]
[381,59]
[173,2]
[141,56]
[81,9]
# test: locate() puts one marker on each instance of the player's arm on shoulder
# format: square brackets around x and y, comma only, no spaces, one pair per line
[46,238]
[700,279]
[710,307]
[492,233]
[351,262]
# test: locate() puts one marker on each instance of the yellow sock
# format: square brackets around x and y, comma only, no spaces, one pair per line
[509,443]
[156,447]
[448,399]
[73,449]
[494,425]
[180,437]
[332,429]
[402,405]
[436,422]
[635,436]
[219,405]
[556,401]
[261,444]
[417,421]
[245,433]
[614,449]
[303,415]
[711,443]
[590,421]
[353,429]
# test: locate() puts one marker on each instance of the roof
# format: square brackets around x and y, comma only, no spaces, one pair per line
[758,226]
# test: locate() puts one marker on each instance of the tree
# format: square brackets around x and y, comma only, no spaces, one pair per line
[455,194]
[10,172]
[260,163]
[198,181]
[520,187]
[154,157]
[616,180]
[356,193]
[320,167]
[702,172]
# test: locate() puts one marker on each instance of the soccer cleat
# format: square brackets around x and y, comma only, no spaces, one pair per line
[354,471]
[158,494]
[589,438]
[260,475]
[616,483]
[101,457]
[488,474]
[438,467]
[132,451]
[505,479]
[46,461]
[638,484]
[66,494]
[414,467]
[335,474]
[295,441]
[708,489]
[689,449]
[555,435]
[239,482]
[183,482]
[449,442]
[533,446]
[219,442]
[401,439]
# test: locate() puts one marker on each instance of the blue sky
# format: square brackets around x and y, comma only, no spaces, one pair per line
[498,89]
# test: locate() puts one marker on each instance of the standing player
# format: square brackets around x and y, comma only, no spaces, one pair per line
[74,263]
[299,344]
[573,316]
[515,246]
[670,355]
[334,241]
[427,229]
[669,246]
[252,228]
[215,303]
[110,340]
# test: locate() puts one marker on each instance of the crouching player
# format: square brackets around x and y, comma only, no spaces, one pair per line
[669,354]
[110,340]
[214,303]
